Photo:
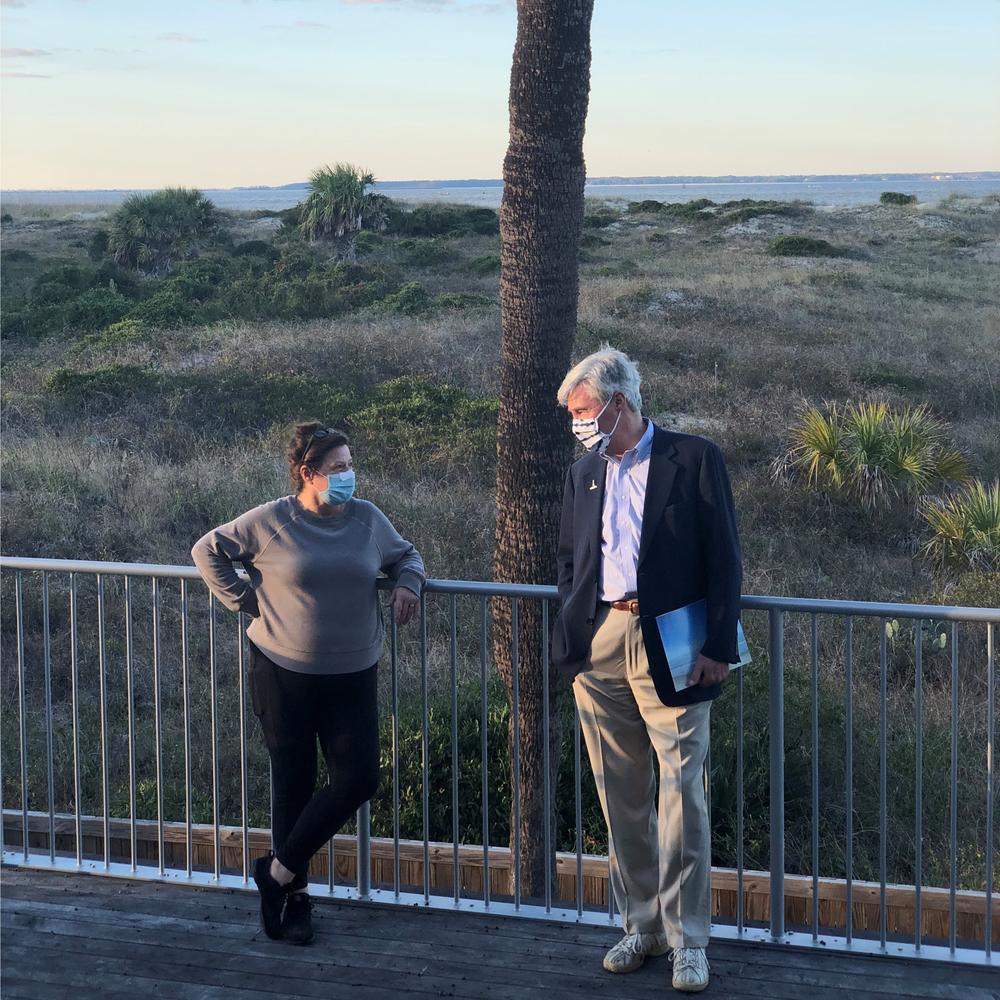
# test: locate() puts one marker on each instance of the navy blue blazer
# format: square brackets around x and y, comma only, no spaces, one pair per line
[689,549]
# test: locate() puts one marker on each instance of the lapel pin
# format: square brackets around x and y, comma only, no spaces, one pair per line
[593,484]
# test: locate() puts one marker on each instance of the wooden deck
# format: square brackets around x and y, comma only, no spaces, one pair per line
[87,937]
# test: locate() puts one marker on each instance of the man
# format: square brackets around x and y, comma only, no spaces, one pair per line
[648,526]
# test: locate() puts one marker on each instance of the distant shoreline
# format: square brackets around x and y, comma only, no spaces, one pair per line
[828,189]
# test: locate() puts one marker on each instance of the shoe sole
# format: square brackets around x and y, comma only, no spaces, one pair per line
[690,989]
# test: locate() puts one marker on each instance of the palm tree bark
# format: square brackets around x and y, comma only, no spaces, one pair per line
[541,217]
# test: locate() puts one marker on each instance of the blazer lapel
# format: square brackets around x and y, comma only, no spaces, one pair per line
[659,482]
[594,481]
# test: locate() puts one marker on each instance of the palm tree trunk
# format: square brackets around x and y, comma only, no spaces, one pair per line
[541,217]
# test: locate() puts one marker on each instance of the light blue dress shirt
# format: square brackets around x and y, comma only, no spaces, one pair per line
[621,519]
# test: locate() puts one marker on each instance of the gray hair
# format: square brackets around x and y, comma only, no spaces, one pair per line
[604,372]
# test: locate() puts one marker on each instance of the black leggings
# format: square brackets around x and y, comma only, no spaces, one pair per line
[294,709]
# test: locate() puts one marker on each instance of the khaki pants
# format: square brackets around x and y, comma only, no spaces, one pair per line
[660,854]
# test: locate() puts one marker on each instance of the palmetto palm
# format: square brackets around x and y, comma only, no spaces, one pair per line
[873,452]
[151,232]
[340,203]
[966,527]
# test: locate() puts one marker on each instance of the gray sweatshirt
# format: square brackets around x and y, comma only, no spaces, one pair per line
[312,591]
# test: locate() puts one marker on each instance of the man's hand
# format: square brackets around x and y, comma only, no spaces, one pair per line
[707,672]
[403,604]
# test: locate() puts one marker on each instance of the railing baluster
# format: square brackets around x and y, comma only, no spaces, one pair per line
[394,694]
[425,748]
[918,787]
[883,778]
[241,692]
[49,765]
[516,768]
[814,727]
[186,699]
[953,793]
[213,738]
[776,723]
[158,725]
[103,672]
[546,759]
[364,826]
[484,745]
[130,713]
[394,665]
[739,803]
[22,711]
[74,665]
[456,874]
[578,803]
[849,780]
[990,764]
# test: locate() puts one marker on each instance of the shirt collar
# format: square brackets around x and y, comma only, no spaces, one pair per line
[642,448]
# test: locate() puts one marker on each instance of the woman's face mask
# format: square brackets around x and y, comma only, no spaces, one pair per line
[590,435]
[339,487]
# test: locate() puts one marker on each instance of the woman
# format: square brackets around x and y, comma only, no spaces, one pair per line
[313,559]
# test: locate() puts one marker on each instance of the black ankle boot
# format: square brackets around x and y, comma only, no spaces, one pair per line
[296,925]
[272,896]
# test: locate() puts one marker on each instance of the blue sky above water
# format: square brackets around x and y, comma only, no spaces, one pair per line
[215,93]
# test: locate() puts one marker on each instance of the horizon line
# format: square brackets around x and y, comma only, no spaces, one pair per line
[638,179]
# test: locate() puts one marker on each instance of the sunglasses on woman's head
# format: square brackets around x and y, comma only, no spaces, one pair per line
[317,435]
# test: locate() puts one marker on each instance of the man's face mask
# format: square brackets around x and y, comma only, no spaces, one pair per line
[590,435]
[339,487]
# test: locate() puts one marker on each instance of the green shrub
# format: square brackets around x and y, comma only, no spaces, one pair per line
[154,232]
[758,208]
[414,423]
[17,256]
[590,240]
[600,219]
[804,246]
[872,452]
[106,384]
[896,198]
[367,242]
[460,300]
[165,309]
[425,253]
[125,331]
[878,375]
[256,248]
[443,220]
[6,217]
[965,528]
[646,207]
[96,308]
[617,269]
[97,248]
[485,265]
[689,209]
[410,300]
[60,284]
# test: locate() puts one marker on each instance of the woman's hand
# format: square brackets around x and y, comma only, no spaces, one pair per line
[404,604]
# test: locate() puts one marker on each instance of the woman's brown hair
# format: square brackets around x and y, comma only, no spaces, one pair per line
[308,445]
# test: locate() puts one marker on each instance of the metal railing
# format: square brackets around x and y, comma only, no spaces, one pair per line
[436,657]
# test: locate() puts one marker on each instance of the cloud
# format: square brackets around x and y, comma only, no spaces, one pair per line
[13,3]
[24,53]
[298,26]
[26,76]
[179,37]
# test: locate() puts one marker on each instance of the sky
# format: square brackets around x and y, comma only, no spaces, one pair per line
[223,93]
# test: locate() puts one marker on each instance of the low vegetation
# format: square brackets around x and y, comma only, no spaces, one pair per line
[144,404]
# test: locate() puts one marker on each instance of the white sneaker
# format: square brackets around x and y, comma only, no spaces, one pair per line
[631,951]
[690,969]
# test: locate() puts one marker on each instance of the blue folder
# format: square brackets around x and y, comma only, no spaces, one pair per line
[683,633]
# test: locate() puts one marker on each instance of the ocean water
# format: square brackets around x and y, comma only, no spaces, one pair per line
[843,191]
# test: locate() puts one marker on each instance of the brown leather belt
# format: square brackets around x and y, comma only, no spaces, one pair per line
[631,605]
